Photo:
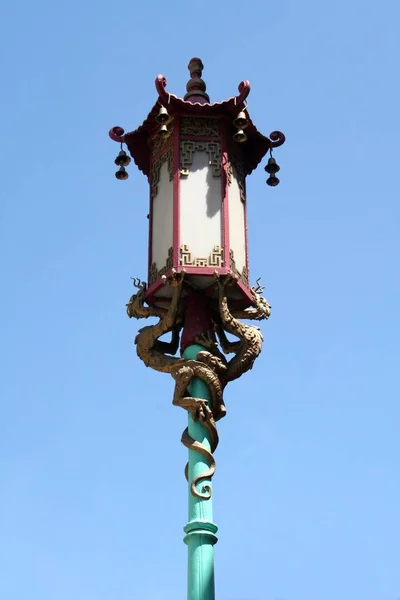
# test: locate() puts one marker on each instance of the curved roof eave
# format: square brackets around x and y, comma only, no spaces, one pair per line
[137,141]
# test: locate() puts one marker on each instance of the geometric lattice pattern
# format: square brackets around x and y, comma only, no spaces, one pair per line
[156,168]
[213,149]
[199,126]
[156,273]
[186,259]
[215,259]
[240,177]
[244,275]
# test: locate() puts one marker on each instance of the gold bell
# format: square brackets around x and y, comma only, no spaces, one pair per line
[122,159]
[241,121]
[240,136]
[121,174]
[163,116]
[163,133]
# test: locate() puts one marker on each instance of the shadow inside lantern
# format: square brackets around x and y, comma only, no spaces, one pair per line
[208,177]
[213,196]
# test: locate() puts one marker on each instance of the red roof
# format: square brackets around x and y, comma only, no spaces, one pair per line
[256,146]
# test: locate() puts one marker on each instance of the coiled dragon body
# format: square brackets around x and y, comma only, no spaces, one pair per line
[210,365]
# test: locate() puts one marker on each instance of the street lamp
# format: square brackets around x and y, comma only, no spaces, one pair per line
[196,156]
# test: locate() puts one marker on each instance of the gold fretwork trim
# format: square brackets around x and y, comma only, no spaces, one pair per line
[215,259]
[169,262]
[156,168]
[244,275]
[229,173]
[157,273]
[240,177]
[199,126]
[213,149]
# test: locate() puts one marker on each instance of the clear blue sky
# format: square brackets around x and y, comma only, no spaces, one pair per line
[307,493]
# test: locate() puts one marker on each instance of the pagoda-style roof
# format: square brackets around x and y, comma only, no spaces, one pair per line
[197,103]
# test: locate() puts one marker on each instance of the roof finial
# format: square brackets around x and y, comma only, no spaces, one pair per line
[196,88]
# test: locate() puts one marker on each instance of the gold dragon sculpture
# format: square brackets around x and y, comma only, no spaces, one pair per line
[210,365]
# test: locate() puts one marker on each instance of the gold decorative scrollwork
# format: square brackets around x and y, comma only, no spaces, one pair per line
[156,273]
[244,275]
[213,149]
[169,263]
[186,258]
[215,259]
[229,173]
[156,168]
[238,170]
[199,126]
[201,262]
[162,271]
[153,273]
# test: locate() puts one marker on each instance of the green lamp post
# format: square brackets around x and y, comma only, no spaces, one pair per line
[196,156]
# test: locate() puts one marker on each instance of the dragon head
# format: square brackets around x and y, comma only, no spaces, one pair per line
[135,304]
[261,305]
